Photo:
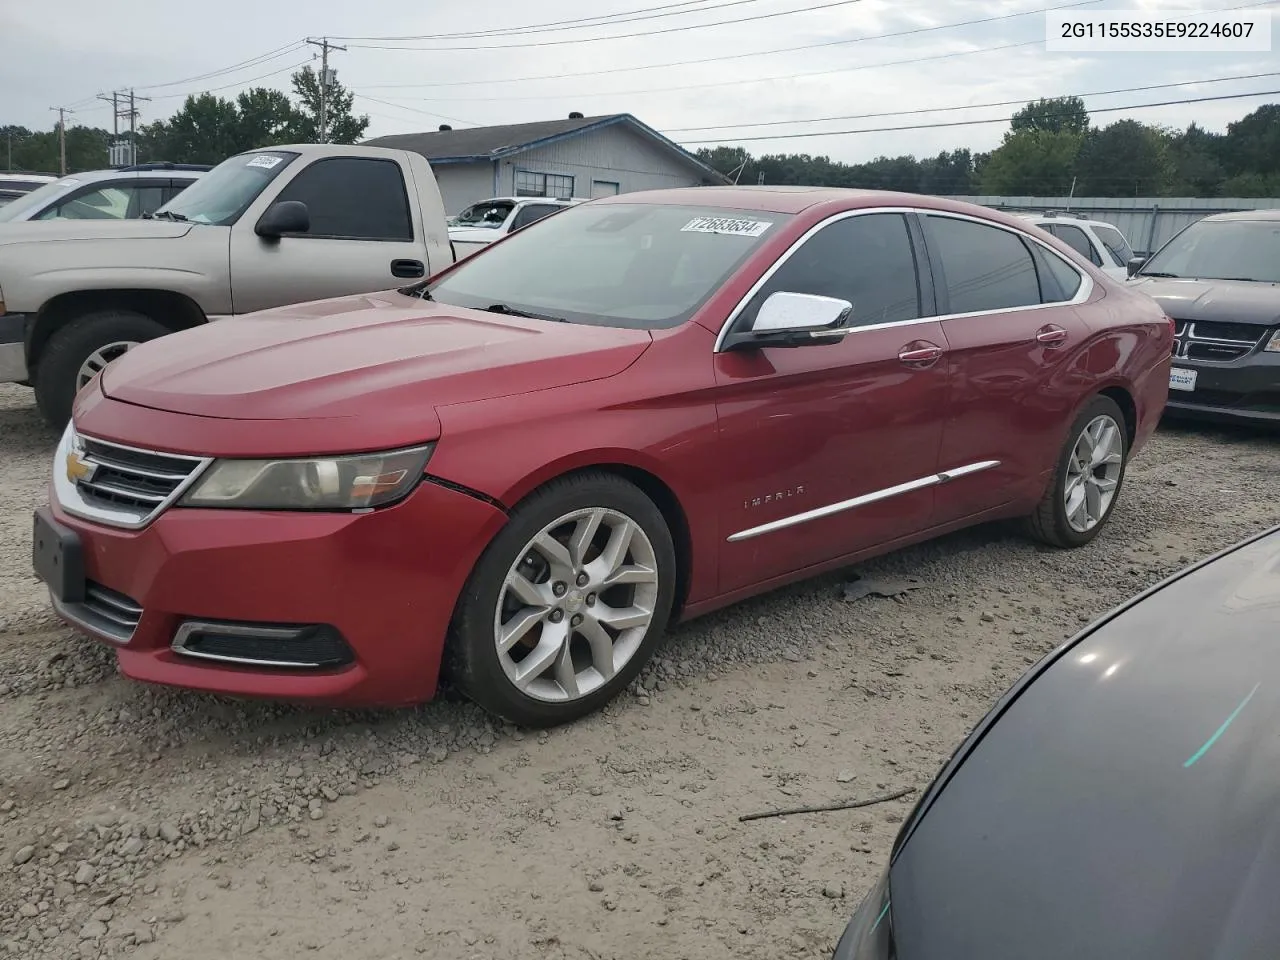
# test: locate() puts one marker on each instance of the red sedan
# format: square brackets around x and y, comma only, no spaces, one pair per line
[642,409]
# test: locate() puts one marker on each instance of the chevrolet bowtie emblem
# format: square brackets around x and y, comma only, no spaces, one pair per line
[78,468]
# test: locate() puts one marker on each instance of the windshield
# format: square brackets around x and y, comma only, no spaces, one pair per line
[1115,243]
[637,265]
[488,213]
[225,192]
[37,199]
[1221,250]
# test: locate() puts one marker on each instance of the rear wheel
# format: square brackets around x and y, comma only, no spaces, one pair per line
[1088,479]
[81,349]
[567,604]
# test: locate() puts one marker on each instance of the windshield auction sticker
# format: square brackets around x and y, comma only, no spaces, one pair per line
[263,160]
[741,228]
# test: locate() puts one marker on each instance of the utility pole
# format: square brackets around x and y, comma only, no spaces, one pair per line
[327,77]
[62,141]
[123,107]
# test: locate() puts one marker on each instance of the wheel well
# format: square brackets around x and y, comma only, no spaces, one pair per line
[669,505]
[173,310]
[1125,402]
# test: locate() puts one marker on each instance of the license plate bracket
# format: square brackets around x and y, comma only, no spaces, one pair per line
[1180,378]
[58,557]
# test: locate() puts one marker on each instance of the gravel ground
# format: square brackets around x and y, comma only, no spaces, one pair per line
[146,822]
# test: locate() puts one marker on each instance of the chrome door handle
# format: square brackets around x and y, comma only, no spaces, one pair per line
[1051,336]
[921,352]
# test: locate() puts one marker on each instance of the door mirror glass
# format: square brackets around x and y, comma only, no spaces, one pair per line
[287,216]
[795,319]
[1135,264]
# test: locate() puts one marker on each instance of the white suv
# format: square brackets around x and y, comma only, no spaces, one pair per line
[1103,244]
[127,193]
[482,223]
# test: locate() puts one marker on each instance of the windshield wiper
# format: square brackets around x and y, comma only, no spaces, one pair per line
[1157,273]
[513,312]
[170,215]
[1244,279]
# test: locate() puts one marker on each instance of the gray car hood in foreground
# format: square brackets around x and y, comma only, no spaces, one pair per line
[1126,804]
[1223,301]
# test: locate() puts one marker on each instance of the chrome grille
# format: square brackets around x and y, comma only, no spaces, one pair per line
[104,612]
[120,485]
[1214,342]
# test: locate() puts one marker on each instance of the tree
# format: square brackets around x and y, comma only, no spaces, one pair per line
[203,131]
[1032,162]
[340,123]
[1125,159]
[1253,143]
[1055,115]
[267,118]
[1194,157]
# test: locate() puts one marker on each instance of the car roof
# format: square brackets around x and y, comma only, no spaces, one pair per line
[1125,785]
[1247,215]
[95,176]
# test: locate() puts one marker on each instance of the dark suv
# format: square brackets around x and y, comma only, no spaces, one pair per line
[1219,279]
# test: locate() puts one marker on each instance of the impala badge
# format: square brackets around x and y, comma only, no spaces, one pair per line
[768,498]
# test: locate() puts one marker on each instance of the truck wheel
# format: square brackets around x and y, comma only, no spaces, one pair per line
[79,350]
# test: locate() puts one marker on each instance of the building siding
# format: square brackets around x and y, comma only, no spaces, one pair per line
[1146,222]
[462,184]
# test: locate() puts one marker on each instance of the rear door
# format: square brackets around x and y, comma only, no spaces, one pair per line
[364,237]
[828,449]
[1006,306]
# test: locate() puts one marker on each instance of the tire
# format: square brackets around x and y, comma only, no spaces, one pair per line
[58,372]
[1053,522]
[535,683]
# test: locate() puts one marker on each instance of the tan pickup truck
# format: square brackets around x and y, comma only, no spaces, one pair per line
[266,228]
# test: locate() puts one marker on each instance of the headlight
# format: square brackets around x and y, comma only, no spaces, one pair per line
[1273,345]
[357,482]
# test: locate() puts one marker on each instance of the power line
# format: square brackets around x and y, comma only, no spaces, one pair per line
[244,64]
[972,106]
[971,123]
[626,36]
[238,83]
[762,53]
[578,23]
[400,106]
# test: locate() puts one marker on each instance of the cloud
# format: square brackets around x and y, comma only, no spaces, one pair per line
[94,49]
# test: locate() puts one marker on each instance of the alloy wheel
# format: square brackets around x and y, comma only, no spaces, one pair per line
[1093,473]
[576,605]
[98,360]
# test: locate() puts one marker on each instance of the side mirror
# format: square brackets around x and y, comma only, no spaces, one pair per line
[795,320]
[287,216]
[1135,264]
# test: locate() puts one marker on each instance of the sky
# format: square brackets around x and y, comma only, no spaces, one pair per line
[751,75]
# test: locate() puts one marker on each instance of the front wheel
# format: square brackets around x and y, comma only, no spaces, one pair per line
[567,604]
[1089,475]
[80,350]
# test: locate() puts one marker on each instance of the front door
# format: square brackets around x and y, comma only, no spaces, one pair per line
[827,449]
[362,238]
[1012,335]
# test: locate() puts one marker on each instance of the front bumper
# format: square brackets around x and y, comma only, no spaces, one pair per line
[1246,390]
[384,582]
[13,350]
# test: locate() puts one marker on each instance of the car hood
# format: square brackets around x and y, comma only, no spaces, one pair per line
[34,231]
[1224,301]
[1125,803]
[356,356]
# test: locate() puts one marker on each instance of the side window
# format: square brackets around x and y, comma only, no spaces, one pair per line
[353,198]
[146,199]
[1063,281]
[104,203]
[1116,244]
[986,268]
[531,213]
[867,260]
[1078,241]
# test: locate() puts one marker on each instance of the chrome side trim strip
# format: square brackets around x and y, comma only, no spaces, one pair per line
[861,501]
[1082,294]
[179,644]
